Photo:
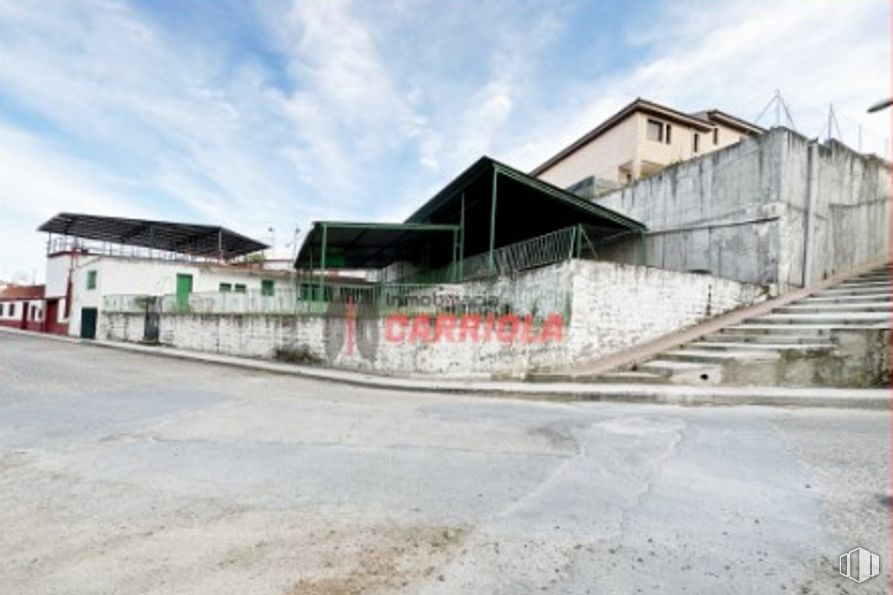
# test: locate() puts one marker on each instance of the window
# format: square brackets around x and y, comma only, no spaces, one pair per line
[716,136]
[239,288]
[655,130]
[91,279]
[669,130]
[33,312]
[266,287]
[12,309]
[694,142]
[226,287]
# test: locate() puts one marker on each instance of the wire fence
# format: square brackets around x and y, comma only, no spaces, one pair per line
[453,289]
[544,250]
[372,301]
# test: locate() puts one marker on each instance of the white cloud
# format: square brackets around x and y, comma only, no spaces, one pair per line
[369,108]
[36,182]
[732,56]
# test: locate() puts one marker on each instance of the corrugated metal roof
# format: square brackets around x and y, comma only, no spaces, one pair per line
[183,238]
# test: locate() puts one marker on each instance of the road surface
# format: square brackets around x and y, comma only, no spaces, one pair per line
[130,473]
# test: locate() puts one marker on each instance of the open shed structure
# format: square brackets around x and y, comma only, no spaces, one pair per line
[203,241]
[491,218]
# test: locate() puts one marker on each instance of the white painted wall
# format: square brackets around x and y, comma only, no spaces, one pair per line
[133,276]
[607,307]
[58,267]
[600,158]
[16,314]
[628,143]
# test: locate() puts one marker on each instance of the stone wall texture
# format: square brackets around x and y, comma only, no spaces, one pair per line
[602,307]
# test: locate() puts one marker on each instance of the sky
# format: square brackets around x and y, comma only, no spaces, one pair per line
[266,115]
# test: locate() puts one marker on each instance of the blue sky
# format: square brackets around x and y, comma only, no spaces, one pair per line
[273,113]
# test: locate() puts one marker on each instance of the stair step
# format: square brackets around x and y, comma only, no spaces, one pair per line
[631,376]
[763,338]
[668,365]
[845,299]
[838,290]
[745,346]
[833,308]
[841,318]
[863,283]
[717,356]
[820,329]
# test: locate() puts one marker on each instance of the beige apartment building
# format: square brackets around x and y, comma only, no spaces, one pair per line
[639,140]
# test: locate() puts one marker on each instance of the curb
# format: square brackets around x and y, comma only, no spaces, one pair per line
[866,399]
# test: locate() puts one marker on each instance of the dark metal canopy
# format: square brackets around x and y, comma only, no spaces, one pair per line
[183,238]
[352,245]
[487,206]
[500,205]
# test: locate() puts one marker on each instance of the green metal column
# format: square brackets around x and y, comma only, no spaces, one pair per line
[462,239]
[493,217]
[642,249]
[322,262]
[453,270]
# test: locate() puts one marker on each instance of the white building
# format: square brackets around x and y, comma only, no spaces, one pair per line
[90,258]
[22,307]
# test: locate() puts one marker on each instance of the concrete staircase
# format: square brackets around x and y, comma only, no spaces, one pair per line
[836,337]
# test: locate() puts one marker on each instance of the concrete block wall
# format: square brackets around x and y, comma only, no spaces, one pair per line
[603,306]
[740,213]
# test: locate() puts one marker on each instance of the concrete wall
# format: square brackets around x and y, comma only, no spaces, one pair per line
[739,213]
[602,307]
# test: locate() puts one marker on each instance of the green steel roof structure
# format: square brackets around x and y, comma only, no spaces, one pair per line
[487,206]
[358,245]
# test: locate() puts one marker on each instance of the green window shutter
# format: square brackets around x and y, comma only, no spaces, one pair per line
[239,288]
[226,287]
[91,279]
[266,287]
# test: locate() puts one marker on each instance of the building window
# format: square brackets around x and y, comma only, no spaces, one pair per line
[266,287]
[716,136]
[91,279]
[239,288]
[33,312]
[669,130]
[226,287]
[12,309]
[655,130]
[694,142]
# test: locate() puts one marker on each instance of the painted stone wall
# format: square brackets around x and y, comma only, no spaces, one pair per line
[545,318]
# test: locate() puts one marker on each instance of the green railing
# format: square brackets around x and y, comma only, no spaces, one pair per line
[441,290]
[550,248]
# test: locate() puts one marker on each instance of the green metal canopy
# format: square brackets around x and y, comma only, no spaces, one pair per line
[488,206]
[357,245]
[497,205]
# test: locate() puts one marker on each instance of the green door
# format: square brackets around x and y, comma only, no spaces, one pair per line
[88,323]
[184,288]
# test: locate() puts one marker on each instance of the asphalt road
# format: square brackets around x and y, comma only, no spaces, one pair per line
[128,473]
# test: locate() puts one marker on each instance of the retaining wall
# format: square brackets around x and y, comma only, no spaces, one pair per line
[566,312]
[740,212]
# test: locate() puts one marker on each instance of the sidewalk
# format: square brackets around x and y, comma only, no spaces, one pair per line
[877,399]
